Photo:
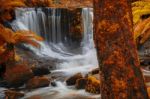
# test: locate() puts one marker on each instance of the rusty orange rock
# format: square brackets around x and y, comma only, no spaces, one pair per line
[17,75]
[37,82]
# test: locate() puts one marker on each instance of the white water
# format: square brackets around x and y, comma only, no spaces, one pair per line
[61,92]
[84,61]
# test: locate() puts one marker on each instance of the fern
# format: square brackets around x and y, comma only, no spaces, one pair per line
[138,13]
[140,3]
[8,37]
[139,9]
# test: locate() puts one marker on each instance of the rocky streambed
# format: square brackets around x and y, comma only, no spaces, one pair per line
[52,78]
[44,78]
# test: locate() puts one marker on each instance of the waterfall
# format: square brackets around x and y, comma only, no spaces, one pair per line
[53,24]
[43,21]
[87,17]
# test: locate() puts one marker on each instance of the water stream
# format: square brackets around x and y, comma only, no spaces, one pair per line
[46,22]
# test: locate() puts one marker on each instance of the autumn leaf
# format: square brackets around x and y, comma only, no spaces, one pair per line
[7,7]
[6,34]
[139,9]
[145,36]
[17,57]
[26,37]
[139,28]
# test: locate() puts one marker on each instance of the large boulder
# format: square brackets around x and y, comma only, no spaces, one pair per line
[93,85]
[81,83]
[38,82]
[17,75]
[9,94]
[72,80]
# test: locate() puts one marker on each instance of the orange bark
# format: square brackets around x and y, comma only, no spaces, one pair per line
[121,76]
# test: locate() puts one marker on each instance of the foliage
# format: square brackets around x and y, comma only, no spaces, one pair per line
[141,26]
[8,37]
[59,3]
[42,3]
[140,8]
[93,85]
[7,7]
[142,30]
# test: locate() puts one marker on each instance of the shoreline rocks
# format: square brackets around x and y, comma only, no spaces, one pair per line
[72,80]
[10,94]
[93,85]
[91,82]
[17,75]
[37,82]
[81,83]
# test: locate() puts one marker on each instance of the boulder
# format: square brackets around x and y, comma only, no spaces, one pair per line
[40,71]
[72,80]
[95,71]
[93,85]
[80,83]
[38,82]
[17,75]
[53,83]
[9,94]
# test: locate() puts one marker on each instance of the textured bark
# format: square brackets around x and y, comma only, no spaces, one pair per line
[121,76]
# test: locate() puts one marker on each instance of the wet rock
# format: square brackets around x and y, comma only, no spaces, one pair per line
[13,94]
[95,71]
[53,83]
[38,82]
[59,76]
[72,80]
[34,60]
[40,71]
[93,85]
[80,83]
[17,75]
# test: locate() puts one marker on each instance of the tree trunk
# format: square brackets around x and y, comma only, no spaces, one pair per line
[121,76]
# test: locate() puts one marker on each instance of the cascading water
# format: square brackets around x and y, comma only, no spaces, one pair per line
[47,22]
